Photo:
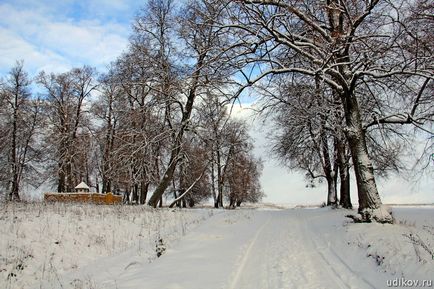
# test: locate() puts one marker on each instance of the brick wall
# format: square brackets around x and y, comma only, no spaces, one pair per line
[94,198]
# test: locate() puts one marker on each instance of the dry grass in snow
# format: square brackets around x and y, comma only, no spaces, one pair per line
[40,242]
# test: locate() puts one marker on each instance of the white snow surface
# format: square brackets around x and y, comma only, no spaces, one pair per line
[251,247]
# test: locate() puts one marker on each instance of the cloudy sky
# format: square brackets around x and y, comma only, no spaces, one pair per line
[57,35]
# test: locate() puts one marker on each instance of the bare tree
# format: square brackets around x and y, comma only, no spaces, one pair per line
[193,175]
[66,95]
[243,183]
[306,131]
[346,45]
[20,115]
[143,112]
[214,120]
[105,110]
[199,38]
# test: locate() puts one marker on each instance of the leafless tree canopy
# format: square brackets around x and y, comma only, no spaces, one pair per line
[20,116]
[363,52]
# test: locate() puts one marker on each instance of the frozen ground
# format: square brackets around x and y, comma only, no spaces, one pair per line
[250,248]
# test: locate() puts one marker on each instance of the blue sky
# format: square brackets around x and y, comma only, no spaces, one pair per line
[57,35]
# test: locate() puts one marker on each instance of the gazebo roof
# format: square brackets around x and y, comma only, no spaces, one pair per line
[82,185]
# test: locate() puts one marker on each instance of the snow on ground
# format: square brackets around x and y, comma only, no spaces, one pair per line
[253,247]
[406,249]
[40,242]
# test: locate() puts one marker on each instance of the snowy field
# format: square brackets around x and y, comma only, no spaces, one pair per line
[40,243]
[84,246]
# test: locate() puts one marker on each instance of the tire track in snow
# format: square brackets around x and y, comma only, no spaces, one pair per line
[312,272]
[246,255]
[278,256]
[284,253]
[334,263]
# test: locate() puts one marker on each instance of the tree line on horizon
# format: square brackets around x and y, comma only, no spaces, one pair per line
[347,84]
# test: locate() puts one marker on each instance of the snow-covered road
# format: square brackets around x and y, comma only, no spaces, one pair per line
[249,249]
[286,253]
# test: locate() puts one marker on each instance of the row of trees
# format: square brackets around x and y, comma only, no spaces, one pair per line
[339,78]
[101,132]
[157,119]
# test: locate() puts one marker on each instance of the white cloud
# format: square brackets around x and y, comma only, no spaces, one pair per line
[55,43]
[87,42]
[14,48]
[104,5]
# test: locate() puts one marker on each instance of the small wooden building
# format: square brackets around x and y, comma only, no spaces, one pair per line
[82,195]
[82,188]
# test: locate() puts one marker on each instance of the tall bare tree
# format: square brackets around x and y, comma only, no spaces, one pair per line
[66,95]
[214,121]
[243,176]
[105,110]
[20,115]
[348,46]
[193,181]
[199,38]
[306,131]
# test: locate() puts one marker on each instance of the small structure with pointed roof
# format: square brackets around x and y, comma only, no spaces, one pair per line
[82,194]
[82,188]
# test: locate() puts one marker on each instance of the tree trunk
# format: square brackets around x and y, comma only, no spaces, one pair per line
[345,201]
[106,185]
[232,200]
[143,192]
[106,166]
[167,178]
[370,206]
[344,176]
[176,148]
[214,194]
[69,178]
[219,180]
[61,182]
[13,194]
[182,187]
[135,196]
[175,196]
[190,202]
[328,169]
[126,198]
[331,191]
